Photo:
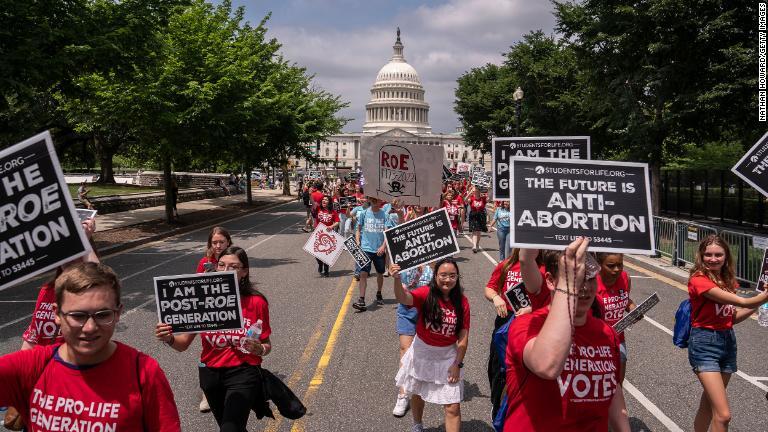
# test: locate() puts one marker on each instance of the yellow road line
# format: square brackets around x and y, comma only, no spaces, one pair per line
[664,279]
[325,358]
[302,364]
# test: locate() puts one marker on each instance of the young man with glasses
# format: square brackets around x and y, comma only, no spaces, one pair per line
[88,382]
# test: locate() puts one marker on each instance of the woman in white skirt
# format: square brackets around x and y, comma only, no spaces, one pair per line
[430,370]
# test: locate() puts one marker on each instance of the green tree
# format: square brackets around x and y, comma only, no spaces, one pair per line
[663,74]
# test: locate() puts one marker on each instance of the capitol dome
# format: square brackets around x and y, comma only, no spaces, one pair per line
[397,98]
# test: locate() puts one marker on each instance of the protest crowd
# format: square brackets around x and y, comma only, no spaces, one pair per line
[555,362]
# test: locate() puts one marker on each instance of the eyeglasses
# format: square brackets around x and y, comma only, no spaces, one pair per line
[450,276]
[101,318]
[225,266]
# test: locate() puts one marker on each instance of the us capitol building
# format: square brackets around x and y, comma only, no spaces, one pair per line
[397,106]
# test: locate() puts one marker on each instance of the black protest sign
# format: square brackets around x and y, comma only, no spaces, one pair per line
[553,201]
[517,297]
[479,178]
[762,280]
[753,166]
[636,314]
[422,240]
[360,257]
[347,201]
[39,229]
[446,173]
[559,147]
[203,302]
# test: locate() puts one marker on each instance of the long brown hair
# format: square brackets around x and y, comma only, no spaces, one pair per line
[727,279]
[245,284]
[220,231]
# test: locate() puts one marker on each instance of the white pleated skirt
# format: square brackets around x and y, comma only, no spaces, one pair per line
[424,372]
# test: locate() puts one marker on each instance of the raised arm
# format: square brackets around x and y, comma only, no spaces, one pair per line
[546,353]
[529,270]
[402,295]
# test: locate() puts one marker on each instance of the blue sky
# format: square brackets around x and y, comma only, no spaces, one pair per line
[345,42]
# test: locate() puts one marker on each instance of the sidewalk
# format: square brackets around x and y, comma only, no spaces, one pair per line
[135,217]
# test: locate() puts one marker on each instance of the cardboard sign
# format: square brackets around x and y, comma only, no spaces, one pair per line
[422,240]
[560,147]
[517,296]
[763,278]
[394,167]
[315,175]
[325,245]
[478,169]
[39,229]
[85,214]
[203,302]
[360,257]
[637,313]
[347,202]
[463,168]
[554,201]
[753,166]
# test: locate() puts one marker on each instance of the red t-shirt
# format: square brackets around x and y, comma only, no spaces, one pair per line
[613,299]
[326,217]
[203,260]
[578,400]
[113,395]
[42,329]
[706,313]
[453,213]
[222,348]
[514,277]
[444,333]
[317,196]
[477,204]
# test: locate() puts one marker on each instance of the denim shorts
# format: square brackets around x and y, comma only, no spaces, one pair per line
[377,260]
[712,350]
[406,320]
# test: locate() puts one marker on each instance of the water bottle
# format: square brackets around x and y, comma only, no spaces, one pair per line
[762,315]
[253,332]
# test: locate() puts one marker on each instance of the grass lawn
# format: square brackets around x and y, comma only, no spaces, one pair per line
[102,190]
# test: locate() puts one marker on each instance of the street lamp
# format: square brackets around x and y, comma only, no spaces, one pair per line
[518,97]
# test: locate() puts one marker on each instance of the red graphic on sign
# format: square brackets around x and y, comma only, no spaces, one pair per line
[325,243]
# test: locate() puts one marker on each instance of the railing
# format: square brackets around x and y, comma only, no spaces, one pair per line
[679,240]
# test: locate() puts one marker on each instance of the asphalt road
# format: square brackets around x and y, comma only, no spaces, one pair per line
[342,363]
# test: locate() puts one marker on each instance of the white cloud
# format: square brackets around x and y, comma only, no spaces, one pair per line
[441,42]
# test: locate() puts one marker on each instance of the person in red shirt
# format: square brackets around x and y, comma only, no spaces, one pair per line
[715,308]
[477,216]
[430,370]
[121,388]
[316,196]
[454,210]
[613,287]
[328,217]
[562,362]
[218,240]
[229,369]
[505,275]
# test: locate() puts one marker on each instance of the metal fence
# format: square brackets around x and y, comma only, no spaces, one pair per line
[678,240]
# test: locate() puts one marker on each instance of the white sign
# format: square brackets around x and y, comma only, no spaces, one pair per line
[325,245]
[760,242]
[395,167]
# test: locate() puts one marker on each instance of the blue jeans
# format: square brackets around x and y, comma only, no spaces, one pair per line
[712,350]
[503,235]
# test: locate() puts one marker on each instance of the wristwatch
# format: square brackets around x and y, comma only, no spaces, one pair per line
[460,365]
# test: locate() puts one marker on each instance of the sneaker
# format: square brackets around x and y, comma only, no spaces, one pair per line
[474,250]
[360,305]
[379,299]
[401,406]
[417,427]
[326,274]
[356,277]
[204,407]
